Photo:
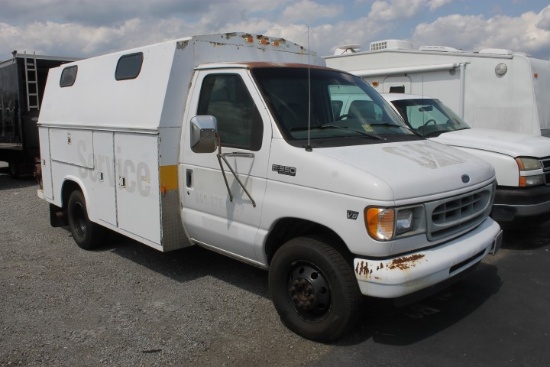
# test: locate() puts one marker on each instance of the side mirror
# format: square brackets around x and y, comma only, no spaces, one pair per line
[203,134]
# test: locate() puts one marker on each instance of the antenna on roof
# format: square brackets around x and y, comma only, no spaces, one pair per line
[308,147]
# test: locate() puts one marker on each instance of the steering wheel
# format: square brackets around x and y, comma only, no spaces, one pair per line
[430,121]
[341,117]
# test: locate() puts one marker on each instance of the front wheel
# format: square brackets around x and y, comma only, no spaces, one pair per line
[314,289]
[86,234]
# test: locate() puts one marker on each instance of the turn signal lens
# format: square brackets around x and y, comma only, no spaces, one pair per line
[526,181]
[380,223]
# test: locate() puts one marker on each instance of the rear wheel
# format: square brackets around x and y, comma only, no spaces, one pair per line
[86,234]
[314,289]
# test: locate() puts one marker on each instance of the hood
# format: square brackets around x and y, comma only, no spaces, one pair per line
[404,170]
[503,142]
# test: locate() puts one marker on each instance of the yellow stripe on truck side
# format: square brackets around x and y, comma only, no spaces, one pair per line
[168,178]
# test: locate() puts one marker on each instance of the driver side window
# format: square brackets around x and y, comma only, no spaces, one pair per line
[226,97]
[364,110]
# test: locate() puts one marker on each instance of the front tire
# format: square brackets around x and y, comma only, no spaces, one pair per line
[314,289]
[87,235]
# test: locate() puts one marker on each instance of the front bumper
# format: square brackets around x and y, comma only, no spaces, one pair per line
[514,202]
[403,275]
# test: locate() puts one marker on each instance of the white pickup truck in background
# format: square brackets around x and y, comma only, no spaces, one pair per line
[233,142]
[521,161]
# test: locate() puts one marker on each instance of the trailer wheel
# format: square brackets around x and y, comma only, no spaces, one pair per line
[314,289]
[86,234]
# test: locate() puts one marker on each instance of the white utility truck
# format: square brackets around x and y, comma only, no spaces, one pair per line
[231,141]
[521,161]
[492,88]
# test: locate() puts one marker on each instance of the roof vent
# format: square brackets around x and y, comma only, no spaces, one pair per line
[439,49]
[390,45]
[496,51]
[347,49]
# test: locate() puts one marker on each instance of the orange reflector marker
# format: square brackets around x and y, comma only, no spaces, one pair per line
[168,178]
[375,84]
[536,75]
[275,43]
[522,181]
[520,164]
[249,39]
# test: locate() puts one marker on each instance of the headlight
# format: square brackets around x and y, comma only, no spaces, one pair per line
[385,224]
[404,221]
[529,164]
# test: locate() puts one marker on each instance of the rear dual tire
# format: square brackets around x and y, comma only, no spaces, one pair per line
[87,235]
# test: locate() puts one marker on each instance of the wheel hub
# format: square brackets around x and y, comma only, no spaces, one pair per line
[309,291]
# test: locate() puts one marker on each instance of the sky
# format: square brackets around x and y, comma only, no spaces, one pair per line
[85,28]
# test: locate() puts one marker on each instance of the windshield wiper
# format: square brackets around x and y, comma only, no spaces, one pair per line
[439,132]
[331,126]
[387,124]
[364,133]
[432,134]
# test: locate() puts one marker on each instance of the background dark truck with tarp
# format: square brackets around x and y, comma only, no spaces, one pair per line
[22,81]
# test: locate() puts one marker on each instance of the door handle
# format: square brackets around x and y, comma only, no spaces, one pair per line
[189,178]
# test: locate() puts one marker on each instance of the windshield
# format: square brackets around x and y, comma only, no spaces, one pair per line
[429,117]
[343,109]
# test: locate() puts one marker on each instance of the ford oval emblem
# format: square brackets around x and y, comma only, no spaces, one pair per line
[465,178]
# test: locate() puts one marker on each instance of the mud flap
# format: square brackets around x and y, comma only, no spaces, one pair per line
[57,217]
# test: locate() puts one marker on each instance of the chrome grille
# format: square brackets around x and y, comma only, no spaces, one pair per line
[453,216]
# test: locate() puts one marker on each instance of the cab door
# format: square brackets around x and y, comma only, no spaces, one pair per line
[226,217]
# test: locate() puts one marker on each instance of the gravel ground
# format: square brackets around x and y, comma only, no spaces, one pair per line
[127,304]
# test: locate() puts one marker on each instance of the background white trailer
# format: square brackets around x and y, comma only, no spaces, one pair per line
[492,88]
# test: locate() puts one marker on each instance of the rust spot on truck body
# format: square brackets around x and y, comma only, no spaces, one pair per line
[405,262]
[369,269]
[362,268]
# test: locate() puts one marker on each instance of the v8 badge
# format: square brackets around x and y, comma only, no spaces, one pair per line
[353,215]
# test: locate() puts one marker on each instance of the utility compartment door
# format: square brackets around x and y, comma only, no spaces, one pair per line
[72,146]
[137,189]
[45,162]
[103,177]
